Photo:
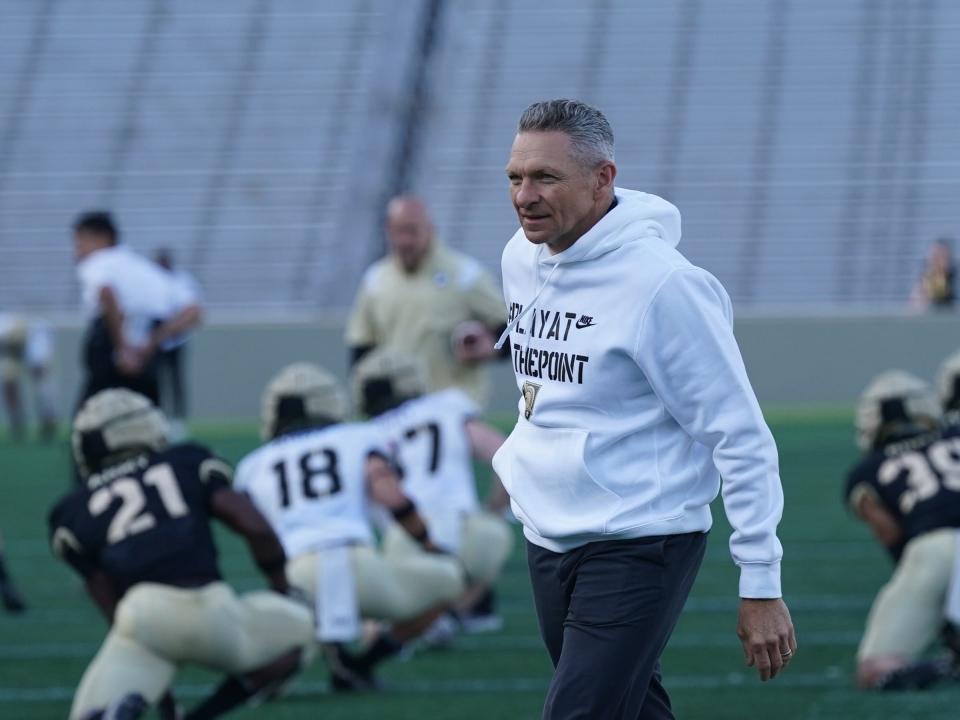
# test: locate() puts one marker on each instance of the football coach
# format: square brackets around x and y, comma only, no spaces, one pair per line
[634,403]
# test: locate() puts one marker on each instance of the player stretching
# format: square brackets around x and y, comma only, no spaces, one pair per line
[315,481]
[907,490]
[138,531]
[436,437]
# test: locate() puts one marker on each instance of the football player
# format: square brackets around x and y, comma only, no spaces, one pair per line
[315,480]
[9,595]
[906,488]
[26,348]
[436,437]
[948,384]
[139,532]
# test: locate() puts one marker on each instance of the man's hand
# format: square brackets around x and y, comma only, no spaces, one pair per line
[130,360]
[472,342]
[766,631]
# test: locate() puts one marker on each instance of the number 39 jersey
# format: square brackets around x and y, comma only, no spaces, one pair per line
[430,443]
[311,485]
[917,480]
[144,520]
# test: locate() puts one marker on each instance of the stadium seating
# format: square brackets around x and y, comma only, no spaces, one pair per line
[809,145]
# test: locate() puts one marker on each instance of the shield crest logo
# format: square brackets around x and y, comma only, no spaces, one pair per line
[529,391]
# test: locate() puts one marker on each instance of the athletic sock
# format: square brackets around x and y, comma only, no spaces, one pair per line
[231,693]
[918,676]
[383,648]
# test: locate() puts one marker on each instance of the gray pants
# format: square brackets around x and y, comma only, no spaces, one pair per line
[606,611]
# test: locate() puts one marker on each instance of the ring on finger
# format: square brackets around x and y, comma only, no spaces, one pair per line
[786,654]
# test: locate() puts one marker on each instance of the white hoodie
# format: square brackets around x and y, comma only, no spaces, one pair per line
[634,397]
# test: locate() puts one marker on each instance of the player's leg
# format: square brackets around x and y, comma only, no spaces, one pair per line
[259,639]
[121,668]
[907,616]
[9,595]
[409,590]
[626,598]
[487,543]
[177,387]
[38,357]
[10,368]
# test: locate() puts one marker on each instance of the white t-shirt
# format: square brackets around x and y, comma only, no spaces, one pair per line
[145,292]
[190,294]
[311,485]
[430,442]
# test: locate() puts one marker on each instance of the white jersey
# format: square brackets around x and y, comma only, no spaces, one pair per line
[311,486]
[189,294]
[145,292]
[431,445]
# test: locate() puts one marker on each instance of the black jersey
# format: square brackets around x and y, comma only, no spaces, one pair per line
[144,520]
[917,480]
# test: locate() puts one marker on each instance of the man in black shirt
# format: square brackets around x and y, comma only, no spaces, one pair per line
[138,532]
[906,488]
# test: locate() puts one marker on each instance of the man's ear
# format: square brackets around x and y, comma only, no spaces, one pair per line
[606,174]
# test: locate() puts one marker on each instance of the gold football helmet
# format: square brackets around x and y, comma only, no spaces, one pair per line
[114,423]
[384,379]
[894,402]
[301,395]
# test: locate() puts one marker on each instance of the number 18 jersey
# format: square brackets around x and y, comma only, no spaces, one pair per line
[311,485]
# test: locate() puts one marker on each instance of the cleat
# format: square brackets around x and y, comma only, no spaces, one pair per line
[130,707]
[11,598]
[346,673]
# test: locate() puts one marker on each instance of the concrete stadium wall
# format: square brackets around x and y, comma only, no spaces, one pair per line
[792,361]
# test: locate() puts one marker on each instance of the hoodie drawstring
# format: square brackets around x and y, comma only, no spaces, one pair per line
[526,311]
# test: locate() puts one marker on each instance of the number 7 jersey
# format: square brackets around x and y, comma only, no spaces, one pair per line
[311,485]
[916,479]
[431,445]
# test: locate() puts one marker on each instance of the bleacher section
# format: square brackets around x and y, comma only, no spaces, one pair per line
[810,145]
[235,133]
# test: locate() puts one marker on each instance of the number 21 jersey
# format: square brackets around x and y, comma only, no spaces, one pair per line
[311,485]
[145,519]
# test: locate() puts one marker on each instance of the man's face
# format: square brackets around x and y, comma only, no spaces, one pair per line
[85,243]
[554,195]
[409,232]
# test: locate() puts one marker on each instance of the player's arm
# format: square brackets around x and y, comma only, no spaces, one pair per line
[100,589]
[66,545]
[473,340]
[884,526]
[383,486]
[485,440]
[112,315]
[182,321]
[238,512]
[361,336]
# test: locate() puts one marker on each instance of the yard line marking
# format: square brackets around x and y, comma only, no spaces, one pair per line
[468,643]
[707,605]
[838,550]
[830,679]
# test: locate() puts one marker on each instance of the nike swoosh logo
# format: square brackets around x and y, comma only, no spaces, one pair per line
[581,324]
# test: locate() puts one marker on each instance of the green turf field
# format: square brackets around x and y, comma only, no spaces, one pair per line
[831,571]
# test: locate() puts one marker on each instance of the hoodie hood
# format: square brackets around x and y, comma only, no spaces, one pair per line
[638,216]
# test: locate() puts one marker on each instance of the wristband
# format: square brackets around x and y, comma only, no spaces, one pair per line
[404,511]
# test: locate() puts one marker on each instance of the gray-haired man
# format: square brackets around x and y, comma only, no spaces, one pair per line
[634,402]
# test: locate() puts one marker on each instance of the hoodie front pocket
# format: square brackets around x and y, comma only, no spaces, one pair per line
[546,475]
